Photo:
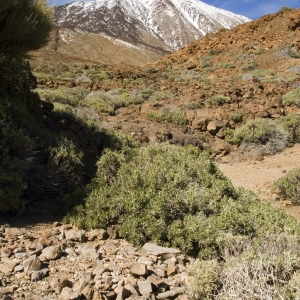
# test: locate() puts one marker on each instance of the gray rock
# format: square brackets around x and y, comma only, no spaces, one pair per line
[31,264]
[171,294]
[145,287]
[75,235]
[138,269]
[50,253]
[68,294]
[15,231]
[19,268]
[158,250]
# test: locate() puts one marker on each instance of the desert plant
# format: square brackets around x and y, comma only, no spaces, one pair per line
[259,51]
[169,114]
[289,186]
[70,96]
[194,105]
[249,66]
[292,97]
[227,65]
[291,124]
[217,100]
[237,116]
[263,135]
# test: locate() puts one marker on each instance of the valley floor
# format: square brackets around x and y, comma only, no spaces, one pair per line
[258,175]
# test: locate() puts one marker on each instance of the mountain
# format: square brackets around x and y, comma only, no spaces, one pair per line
[159,26]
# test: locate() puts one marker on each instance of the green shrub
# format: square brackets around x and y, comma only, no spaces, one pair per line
[263,135]
[169,114]
[194,105]
[289,186]
[259,51]
[292,97]
[249,66]
[237,116]
[227,65]
[291,124]
[217,100]
[70,96]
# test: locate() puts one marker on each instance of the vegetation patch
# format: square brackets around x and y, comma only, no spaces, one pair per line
[288,186]
[169,114]
[263,135]
[291,124]
[217,100]
[292,97]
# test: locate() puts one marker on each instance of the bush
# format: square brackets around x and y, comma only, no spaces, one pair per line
[291,124]
[289,186]
[249,66]
[292,97]
[237,116]
[170,114]
[263,135]
[227,65]
[217,100]
[70,96]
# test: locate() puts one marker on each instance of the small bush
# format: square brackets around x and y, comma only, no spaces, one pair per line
[70,96]
[291,124]
[289,186]
[237,116]
[194,105]
[227,65]
[249,66]
[217,100]
[292,97]
[263,135]
[169,114]
[259,51]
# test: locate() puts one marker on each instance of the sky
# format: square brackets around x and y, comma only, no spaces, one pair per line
[252,9]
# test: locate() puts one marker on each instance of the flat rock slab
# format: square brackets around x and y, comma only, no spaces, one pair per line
[153,249]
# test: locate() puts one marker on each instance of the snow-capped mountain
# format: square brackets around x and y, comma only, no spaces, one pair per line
[159,24]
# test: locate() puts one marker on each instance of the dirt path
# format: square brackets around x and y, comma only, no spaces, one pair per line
[258,176]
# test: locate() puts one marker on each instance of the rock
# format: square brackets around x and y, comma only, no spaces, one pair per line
[50,253]
[68,294]
[75,235]
[158,250]
[145,287]
[123,294]
[7,267]
[6,290]
[171,270]
[99,234]
[15,231]
[171,293]
[59,283]
[31,264]
[138,269]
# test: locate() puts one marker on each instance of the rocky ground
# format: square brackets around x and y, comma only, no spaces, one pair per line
[61,262]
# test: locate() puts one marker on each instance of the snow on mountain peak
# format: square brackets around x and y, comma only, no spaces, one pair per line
[166,24]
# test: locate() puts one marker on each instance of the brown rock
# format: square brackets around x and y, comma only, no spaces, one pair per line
[145,287]
[50,253]
[138,269]
[7,267]
[31,264]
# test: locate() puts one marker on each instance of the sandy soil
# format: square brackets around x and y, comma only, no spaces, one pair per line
[258,176]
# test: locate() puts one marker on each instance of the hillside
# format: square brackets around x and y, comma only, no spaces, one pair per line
[251,73]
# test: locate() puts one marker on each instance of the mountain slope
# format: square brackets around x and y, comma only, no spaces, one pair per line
[166,25]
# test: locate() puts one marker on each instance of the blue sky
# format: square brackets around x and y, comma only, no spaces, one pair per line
[250,8]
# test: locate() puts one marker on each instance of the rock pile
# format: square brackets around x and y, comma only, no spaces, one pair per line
[65,263]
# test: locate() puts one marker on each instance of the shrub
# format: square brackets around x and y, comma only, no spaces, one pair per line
[292,97]
[194,105]
[70,96]
[291,124]
[227,65]
[289,186]
[249,66]
[263,135]
[259,51]
[237,116]
[169,114]
[217,100]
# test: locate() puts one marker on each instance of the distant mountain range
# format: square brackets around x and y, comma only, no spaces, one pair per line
[160,26]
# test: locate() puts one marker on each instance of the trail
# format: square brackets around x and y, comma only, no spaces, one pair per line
[258,176]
